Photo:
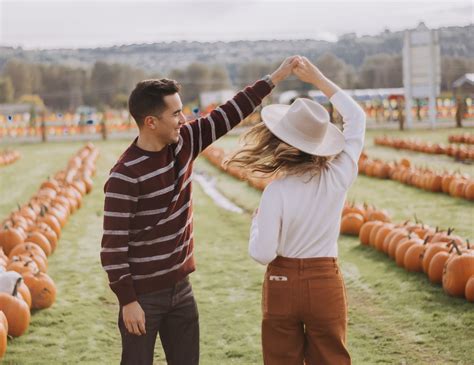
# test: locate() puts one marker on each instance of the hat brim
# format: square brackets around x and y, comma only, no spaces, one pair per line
[332,144]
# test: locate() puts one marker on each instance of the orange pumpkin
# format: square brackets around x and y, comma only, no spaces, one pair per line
[469,291]
[457,271]
[351,224]
[436,267]
[3,334]
[16,311]
[365,230]
[42,288]
[9,238]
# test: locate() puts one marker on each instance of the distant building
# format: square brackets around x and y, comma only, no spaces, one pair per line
[464,85]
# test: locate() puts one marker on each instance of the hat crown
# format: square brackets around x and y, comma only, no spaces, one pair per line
[308,118]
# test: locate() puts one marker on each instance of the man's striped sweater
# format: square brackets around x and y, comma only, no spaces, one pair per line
[147,243]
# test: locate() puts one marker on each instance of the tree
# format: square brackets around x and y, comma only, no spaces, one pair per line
[381,71]
[7,91]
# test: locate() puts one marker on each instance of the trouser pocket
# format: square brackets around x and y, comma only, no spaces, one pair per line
[327,299]
[276,294]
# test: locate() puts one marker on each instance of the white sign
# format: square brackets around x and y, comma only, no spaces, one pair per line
[421,68]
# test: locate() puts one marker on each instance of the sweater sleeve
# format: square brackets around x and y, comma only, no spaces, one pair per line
[266,226]
[121,196]
[204,131]
[345,164]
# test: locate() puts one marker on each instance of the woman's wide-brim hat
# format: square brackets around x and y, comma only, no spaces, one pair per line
[304,125]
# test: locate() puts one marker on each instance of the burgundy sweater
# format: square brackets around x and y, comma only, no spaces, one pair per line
[147,243]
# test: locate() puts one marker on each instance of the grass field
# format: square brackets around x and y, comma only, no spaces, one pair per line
[395,317]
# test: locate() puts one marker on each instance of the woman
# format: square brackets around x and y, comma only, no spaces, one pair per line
[296,226]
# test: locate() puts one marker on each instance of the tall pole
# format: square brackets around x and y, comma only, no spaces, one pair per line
[432,80]
[407,80]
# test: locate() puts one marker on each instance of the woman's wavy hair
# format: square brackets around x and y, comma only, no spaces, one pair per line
[263,153]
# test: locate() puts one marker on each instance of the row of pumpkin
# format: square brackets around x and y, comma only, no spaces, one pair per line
[445,258]
[459,152]
[452,183]
[7,157]
[30,234]
[457,275]
[466,138]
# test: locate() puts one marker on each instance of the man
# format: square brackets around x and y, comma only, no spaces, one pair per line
[147,244]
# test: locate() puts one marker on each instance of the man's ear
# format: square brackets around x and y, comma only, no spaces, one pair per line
[149,122]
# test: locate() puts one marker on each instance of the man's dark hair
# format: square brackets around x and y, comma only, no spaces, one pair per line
[148,98]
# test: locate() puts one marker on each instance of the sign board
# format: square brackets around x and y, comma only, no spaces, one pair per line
[421,68]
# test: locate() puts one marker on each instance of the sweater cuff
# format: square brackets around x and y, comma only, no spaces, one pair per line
[124,290]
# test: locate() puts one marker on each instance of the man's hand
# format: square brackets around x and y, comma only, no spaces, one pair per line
[307,72]
[134,318]
[285,69]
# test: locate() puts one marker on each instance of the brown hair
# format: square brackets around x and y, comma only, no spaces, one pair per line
[148,98]
[263,152]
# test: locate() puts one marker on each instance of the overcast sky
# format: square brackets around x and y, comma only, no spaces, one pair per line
[74,24]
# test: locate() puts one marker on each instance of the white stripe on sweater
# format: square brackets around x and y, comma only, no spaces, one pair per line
[250,100]
[227,123]
[163,256]
[241,116]
[116,233]
[162,272]
[116,267]
[156,172]
[162,239]
[213,128]
[137,160]
[121,196]
[114,249]
[118,214]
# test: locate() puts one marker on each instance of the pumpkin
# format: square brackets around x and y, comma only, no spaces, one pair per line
[3,334]
[413,257]
[436,267]
[373,233]
[431,250]
[469,291]
[457,271]
[469,190]
[402,249]
[351,224]
[22,265]
[42,288]
[27,248]
[382,233]
[16,311]
[365,230]
[38,238]
[9,238]
[379,215]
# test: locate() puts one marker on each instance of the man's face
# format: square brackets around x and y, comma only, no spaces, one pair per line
[170,120]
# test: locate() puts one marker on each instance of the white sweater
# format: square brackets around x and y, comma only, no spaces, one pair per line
[301,219]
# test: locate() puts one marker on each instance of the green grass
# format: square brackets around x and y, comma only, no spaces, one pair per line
[395,317]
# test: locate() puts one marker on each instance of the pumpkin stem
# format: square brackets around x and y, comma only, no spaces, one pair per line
[450,230]
[426,240]
[468,244]
[15,288]
[457,248]
[416,219]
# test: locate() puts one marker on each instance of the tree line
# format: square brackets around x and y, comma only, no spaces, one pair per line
[108,85]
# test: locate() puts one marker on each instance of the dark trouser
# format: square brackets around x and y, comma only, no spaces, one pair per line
[304,313]
[173,314]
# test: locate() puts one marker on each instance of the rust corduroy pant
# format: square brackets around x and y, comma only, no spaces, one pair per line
[304,313]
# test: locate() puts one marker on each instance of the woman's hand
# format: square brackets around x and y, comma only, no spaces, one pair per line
[307,72]
[285,69]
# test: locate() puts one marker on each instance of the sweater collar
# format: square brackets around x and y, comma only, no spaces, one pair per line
[141,151]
